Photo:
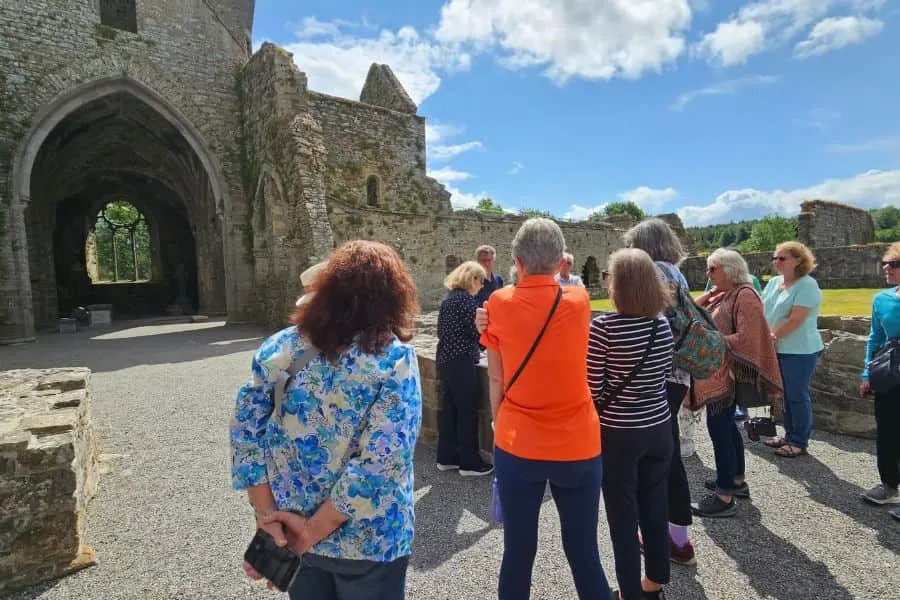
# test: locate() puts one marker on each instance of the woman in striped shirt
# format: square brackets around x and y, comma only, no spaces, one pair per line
[629,359]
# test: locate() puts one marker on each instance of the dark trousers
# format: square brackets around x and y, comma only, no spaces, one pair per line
[728,446]
[887,444]
[458,417]
[679,489]
[575,487]
[322,578]
[635,492]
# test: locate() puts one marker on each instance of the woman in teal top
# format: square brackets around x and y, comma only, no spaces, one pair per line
[885,326]
[791,301]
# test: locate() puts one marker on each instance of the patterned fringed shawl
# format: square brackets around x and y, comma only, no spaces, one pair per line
[751,351]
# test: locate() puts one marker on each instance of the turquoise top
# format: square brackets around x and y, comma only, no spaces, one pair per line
[778,304]
[885,323]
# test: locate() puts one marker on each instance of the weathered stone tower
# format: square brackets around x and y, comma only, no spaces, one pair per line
[103,100]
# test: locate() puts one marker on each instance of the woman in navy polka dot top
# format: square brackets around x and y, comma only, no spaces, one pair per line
[457,359]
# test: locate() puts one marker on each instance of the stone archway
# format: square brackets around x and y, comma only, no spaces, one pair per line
[590,273]
[116,137]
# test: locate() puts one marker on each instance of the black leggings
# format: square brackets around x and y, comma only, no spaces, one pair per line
[679,490]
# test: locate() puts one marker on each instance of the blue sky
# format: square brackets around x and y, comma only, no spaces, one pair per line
[719,111]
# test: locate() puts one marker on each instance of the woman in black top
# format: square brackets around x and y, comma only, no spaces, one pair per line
[457,360]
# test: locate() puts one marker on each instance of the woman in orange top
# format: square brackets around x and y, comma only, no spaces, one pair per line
[546,427]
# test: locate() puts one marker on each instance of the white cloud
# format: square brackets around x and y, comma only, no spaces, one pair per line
[461,200]
[872,189]
[650,199]
[732,43]
[760,26]
[446,152]
[885,144]
[447,175]
[436,132]
[835,33]
[516,168]
[730,86]
[591,39]
[336,57]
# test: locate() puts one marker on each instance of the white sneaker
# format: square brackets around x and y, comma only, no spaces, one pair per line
[881,494]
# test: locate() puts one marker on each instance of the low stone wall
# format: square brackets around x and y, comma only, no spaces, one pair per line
[426,346]
[48,473]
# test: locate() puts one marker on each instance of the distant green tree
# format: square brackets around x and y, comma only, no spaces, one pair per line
[887,217]
[536,212]
[625,209]
[122,243]
[768,232]
[489,207]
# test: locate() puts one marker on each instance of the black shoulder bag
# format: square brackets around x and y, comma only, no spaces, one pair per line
[606,398]
[534,346]
[884,368]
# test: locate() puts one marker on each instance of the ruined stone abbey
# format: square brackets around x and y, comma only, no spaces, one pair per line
[243,175]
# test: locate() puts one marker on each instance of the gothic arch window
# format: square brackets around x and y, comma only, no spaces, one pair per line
[590,273]
[373,191]
[120,14]
[450,263]
[121,242]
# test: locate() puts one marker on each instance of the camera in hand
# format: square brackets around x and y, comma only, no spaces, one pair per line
[277,564]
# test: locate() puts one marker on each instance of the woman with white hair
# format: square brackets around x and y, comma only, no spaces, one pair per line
[738,312]
[546,428]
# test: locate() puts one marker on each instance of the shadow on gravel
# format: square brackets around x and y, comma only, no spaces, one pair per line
[132,343]
[826,488]
[753,548]
[31,593]
[453,514]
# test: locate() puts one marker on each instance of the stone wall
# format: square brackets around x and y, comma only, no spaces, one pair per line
[48,473]
[838,268]
[185,54]
[373,146]
[825,224]
[432,245]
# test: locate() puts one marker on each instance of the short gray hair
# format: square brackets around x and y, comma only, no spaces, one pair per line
[569,258]
[732,263]
[540,245]
[656,238]
[485,249]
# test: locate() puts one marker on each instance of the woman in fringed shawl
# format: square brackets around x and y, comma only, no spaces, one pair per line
[737,311]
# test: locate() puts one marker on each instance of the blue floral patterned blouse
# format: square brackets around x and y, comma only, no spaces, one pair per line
[347,432]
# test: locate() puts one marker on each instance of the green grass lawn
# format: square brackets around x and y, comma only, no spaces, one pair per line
[847,303]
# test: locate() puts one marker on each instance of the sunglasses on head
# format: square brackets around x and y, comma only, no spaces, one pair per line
[894,264]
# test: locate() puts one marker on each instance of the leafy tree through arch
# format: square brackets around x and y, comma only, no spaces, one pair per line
[122,241]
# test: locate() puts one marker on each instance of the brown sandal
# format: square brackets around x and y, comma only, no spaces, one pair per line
[775,442]
[789,451]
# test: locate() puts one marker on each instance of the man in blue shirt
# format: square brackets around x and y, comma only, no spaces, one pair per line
[485,256]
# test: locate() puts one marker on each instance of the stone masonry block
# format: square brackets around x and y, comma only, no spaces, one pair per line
[48,473]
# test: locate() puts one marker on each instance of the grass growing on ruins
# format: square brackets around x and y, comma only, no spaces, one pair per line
[847,303]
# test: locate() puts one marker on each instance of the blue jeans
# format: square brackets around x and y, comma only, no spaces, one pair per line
[575,486]
[796,373]
[728,447]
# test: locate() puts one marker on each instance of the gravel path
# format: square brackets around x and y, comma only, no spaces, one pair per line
[166,524]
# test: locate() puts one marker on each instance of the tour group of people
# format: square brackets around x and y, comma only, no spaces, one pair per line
[324,430]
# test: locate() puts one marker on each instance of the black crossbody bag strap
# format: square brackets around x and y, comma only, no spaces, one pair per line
[537,341]
[602,404]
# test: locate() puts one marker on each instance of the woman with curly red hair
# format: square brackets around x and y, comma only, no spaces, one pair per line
[328,463]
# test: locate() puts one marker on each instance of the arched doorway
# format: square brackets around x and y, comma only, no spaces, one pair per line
[117,141]
[590,273]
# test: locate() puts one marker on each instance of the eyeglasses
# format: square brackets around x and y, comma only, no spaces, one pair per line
[894,264]
[711,269]
[779,258]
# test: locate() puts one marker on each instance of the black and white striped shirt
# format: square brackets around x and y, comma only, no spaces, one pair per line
[617,343]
